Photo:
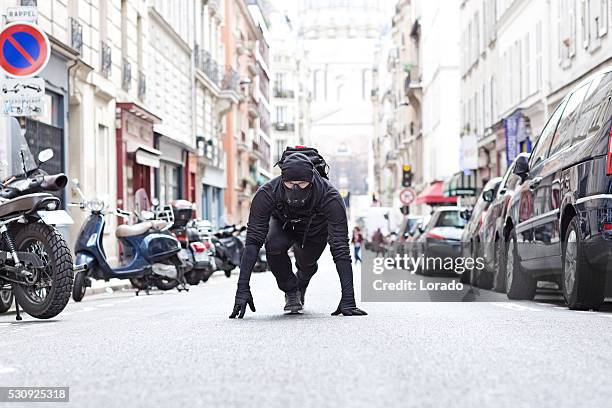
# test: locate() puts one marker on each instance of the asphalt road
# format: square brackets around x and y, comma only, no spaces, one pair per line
[180,349]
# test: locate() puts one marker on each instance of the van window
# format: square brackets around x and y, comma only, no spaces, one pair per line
[596,109]
[542,145]
[565,130]
[450,219]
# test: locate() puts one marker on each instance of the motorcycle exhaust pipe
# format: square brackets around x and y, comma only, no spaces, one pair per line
[55,182]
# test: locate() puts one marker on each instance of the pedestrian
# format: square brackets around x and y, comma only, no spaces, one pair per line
[378,240]
[298,209]
[357,241]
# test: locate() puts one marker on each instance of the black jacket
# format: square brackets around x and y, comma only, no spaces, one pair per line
[323,216]
[326,208]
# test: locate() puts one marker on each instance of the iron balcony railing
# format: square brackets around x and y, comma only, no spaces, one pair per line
[76,35]
[142,85]
[283,93]
[106,61]
[205,63]
[126,75]
[284,127]
[230,80]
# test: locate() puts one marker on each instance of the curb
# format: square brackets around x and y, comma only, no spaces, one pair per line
[90,292]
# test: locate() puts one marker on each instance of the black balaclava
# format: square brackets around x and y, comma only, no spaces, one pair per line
[297,167]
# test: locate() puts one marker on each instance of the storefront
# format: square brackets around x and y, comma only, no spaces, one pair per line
[213,184]
[169,180]
[137,157]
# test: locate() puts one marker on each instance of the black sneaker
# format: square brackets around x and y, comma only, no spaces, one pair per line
[292,301]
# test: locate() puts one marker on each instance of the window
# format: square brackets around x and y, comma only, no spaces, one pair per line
[601,17]
[542,145]
[565,130]
[169,182]
[281,114]
[584,22]
[450,219]
[280,148]
[596,109]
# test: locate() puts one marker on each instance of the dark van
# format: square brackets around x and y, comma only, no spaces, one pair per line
[559,221]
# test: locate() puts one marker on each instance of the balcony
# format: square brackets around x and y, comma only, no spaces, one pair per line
[230,80]
[242,143]
[76,35]
[205,63]
[106,60]
[142,85]
[264,119]
[126,75]
[253,107]
[284,127]
[283,93]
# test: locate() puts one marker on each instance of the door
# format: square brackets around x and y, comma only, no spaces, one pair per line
[528,197]
[547,193]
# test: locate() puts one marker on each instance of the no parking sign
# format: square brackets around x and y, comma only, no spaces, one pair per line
[24,50]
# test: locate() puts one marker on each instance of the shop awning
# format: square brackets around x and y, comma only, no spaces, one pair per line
[144,155]
[433,194]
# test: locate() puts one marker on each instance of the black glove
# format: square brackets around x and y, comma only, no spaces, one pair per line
[347,307]
[243,298]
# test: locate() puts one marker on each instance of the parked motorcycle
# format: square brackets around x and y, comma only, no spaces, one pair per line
[35,262]
[195,248]
[228,248]
[151,254]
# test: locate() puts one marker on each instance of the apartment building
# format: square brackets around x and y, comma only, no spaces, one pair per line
[519,59]
[290,94]
[246,133]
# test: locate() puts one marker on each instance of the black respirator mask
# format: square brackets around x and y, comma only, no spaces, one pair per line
[296,196]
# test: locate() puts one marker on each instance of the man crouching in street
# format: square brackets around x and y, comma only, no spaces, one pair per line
[301,209]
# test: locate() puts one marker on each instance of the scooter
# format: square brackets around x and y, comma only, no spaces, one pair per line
[228,248]
[151,253]
[195,248]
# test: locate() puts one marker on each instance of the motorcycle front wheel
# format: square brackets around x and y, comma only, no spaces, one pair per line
[79,287]
[194,276]
[6,300]
[49,293]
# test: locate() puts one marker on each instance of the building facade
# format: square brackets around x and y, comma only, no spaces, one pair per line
[519,59]
[290,94]
[340,39]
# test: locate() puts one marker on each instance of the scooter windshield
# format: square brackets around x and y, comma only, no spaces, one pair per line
[15,154]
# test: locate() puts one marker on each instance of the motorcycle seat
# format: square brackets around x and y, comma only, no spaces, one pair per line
[140,228]
[21,204]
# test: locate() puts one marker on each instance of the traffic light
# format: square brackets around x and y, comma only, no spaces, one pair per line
[406,175]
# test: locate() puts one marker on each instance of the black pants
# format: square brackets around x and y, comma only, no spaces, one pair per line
[278,243]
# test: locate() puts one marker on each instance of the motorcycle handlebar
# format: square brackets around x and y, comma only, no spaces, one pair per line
[54,183]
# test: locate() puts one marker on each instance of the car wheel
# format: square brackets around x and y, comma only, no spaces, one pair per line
[582,287]
[499,265]
[519,285]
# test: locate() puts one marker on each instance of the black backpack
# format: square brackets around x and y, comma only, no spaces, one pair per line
[313,154]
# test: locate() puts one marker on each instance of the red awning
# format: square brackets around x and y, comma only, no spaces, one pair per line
[433,194]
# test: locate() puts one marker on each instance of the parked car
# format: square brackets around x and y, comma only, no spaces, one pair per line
[559,223]
[441,238]
[472,238]
[492,229]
